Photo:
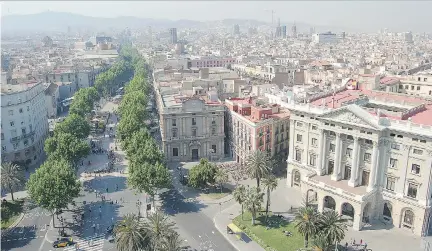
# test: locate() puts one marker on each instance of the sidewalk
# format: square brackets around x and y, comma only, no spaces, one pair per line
[222,219]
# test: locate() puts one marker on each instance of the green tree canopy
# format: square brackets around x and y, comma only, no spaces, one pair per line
[202,174]
[253,200]
[12,177]
[74,124]
[258,165]
[133,103]
[137,142]
[148,178]
[130,234]
[54,185]
[127,126]
[149,153]
[83,101]
[66,146]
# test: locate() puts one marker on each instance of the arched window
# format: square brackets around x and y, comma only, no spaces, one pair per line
[408,219]
[387,211]
[296,180]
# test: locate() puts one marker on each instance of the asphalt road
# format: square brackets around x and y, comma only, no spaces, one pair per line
[197,227]
[29,233]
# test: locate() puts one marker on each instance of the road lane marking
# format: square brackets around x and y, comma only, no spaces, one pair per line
[21,231]
[43,228]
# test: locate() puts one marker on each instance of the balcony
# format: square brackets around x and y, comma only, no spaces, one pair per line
[22,137]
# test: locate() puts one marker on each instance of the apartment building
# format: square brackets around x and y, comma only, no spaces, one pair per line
[365,154]
[418,85]
[254,127]
[24,123]
[191,122]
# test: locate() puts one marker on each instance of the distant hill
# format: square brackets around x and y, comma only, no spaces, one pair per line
[59,21]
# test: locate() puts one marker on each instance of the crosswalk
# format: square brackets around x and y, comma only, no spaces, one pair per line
[94,243]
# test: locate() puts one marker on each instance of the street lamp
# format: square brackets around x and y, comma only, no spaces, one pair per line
[138,204]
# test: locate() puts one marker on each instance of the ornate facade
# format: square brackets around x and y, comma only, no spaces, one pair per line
[369,168]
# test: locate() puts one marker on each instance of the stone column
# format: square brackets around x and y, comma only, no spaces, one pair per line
[291,141]
[321,157]
[337,159]
[354,165]
[374,167]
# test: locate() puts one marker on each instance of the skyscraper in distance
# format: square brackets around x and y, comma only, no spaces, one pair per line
[173,35]
[284,31]
[236,29]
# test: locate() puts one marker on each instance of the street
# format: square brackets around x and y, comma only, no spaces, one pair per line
[104,200]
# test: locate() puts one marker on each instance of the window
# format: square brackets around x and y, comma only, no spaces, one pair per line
[213,148]
[347,174]
[194,132]
[349,152]
[350,137]
[314,141]
[174,133]
[417,151]
[368,141]
[12,123]
[28,108]
[10,112]
[3,148]
[314,127]
[299,138]
[175,152]
[15,145]
[412,190]
[298,155]
[23,131]
[213,131]
[395,146]
[2,136]
[193,121]
[26,142]
[390,183]
[418,88]
[20,110]
[332,133]
[174,122]
[312,159]
[393,163]
[367,157]
[299,124]
[332,148]
[415,169]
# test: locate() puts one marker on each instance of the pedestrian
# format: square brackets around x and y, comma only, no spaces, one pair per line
[365,246]
[354,242]
[346,246]
[94,228]
[361,241]
[97,227]
[116,187]
[107,189]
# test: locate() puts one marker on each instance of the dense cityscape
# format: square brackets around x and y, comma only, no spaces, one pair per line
[227,135]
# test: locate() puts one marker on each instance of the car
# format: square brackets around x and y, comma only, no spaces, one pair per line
[63,242]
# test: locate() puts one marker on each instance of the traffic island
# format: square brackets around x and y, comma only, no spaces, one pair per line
[275,234]
[11,213]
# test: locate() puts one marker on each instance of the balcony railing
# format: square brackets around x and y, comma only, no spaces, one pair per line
[22,137]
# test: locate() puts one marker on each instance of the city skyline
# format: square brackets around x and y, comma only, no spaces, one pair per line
[362,16]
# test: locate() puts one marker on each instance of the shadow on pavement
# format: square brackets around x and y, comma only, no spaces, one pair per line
[18,237]
[111,182]
[174,203]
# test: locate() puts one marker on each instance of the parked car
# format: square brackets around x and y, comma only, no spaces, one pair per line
[63,242]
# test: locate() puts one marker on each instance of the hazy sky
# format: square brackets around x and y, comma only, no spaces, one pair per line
[378,14]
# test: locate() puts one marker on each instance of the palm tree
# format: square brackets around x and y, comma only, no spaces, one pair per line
[258,165]
[130,234]
[12,177]
[221,177]
[240,196]
[172,242]
[320,243]
[332,226]
[158,227]
[270,183]
[306,222]
[254,198]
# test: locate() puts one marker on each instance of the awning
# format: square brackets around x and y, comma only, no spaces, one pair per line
[234,228]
